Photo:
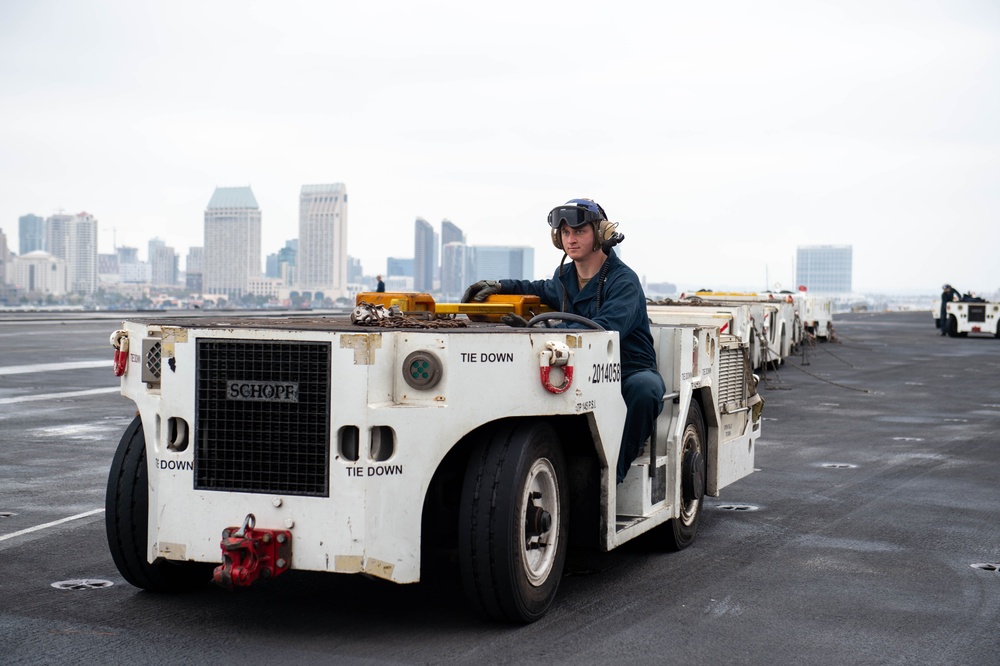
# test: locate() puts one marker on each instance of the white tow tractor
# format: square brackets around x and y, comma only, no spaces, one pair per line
[370,444]
[816,315]
[775,330]
[966,317]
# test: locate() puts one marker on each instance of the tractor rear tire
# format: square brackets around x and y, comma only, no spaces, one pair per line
[679,533]
[126,523]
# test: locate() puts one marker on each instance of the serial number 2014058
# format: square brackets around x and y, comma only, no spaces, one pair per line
[606,372]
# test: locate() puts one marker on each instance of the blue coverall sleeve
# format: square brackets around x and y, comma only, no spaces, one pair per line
[548,291]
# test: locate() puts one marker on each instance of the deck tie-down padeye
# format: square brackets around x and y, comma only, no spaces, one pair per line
[249,553]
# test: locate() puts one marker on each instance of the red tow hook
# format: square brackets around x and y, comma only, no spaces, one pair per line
[249,554]
[119,340]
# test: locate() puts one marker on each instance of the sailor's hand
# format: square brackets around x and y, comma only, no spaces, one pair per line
[514,320]
[479,291]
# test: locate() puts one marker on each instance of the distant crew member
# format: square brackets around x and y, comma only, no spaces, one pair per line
[600,287]
[381,285]
[948,294]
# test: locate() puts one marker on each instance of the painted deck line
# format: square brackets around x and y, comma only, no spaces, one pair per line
[52,524]
[52,367]
[57,396]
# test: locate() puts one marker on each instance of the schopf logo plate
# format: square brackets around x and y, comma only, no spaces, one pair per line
[262,391]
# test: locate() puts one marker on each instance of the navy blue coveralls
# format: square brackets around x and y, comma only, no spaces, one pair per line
[947,296]
[623,309]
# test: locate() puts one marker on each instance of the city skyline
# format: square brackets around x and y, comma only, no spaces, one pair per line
[720,136]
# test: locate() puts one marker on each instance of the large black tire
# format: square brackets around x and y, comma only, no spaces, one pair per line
[513,522]
[125,519]
[952,327]
[678,533]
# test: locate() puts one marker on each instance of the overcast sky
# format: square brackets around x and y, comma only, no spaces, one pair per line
[720,135]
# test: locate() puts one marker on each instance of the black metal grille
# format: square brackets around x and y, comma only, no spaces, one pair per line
[977,313]
[262,417]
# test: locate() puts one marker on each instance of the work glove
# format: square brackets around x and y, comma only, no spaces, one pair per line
[479,291]
[513,320]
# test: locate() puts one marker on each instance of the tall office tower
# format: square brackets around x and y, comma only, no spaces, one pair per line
[31,233]
[399,267]
[824,269]
[456,267]
[162,264]
[424,255]
[107,268]
[450,233]
[4,259]
[193,269]
[355,272]
[73,238]
[322,256]
[454,270]
[232,242]
[130,269]
[495,262]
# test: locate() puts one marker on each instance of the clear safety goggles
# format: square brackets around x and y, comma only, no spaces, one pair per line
[572,216]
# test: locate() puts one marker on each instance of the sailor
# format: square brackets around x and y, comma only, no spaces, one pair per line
[599,286]
[948,294]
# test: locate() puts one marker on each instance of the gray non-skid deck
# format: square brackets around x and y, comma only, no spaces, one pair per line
[869,535]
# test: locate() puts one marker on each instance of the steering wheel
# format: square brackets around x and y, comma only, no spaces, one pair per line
[565,316]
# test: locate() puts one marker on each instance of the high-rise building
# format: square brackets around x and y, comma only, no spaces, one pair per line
[495,262]
[322,257]
[424,255]
[31,233]
[130,269]
[107,268]
[355,272]
[401,267]
[163,262]
[454,260]
[824,269]
[232,242]
[193,269]
[454,270]
[451,233]
[73,238]
[4,259]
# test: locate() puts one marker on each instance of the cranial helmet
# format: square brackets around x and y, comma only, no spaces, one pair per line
[577,212]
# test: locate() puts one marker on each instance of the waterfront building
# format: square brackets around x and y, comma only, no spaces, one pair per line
[73,238]
[401,267]
[232,242]
[450,233]
[163,262]
[424,255]
[454,270]
[5,259]
[321,263]
[40,272]
[824,269]
[30,233]
[495,262]
[193,269]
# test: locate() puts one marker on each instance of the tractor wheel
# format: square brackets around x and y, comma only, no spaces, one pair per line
[513,527]
[678,533]
[126,522]
[952,326]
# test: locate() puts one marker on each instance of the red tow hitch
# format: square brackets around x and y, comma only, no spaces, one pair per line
[249,554]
